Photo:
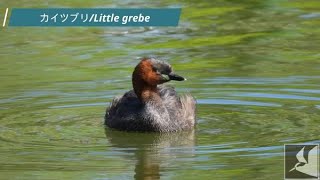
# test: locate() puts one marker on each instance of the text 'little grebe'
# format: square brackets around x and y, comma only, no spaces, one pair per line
[151,106]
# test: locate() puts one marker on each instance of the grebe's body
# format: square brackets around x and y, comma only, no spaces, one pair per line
[152,106]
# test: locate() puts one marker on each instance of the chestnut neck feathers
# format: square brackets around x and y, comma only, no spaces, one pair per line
[145,81]
[148,74]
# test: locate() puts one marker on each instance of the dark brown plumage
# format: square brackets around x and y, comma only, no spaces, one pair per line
[152,106]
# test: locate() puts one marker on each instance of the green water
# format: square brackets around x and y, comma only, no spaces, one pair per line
[252,65]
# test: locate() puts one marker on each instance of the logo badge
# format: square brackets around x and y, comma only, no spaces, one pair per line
[301,161]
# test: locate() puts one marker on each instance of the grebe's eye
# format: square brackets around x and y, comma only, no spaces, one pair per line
[155,70]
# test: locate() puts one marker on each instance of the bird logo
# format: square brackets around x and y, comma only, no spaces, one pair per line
[310,166]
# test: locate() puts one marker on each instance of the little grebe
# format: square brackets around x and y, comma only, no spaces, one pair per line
[151,106]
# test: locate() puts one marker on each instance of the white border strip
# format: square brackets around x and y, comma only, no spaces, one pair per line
[5,18]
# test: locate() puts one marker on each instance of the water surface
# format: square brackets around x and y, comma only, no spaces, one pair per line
[252,65]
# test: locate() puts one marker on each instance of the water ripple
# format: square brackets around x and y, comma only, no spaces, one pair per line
[277,96]
[262,81]
[79,105]
[213,149]
[236,102]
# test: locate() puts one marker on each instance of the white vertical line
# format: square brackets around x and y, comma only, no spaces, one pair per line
[5,18]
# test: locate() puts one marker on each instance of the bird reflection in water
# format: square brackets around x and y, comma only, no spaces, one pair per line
[153,150]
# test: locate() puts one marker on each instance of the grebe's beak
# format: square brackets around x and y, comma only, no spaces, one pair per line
[176,77]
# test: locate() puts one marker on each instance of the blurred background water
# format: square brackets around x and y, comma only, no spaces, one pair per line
[252,65]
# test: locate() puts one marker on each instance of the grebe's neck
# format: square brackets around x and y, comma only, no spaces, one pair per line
[145,92]
[144,82]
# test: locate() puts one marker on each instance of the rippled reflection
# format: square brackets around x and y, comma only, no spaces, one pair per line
[153,150]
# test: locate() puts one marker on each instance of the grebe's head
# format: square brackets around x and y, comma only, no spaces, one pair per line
[153,72]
